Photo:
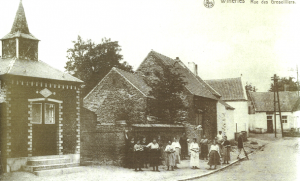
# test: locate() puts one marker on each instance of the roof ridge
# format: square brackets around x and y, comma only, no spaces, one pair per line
[116,69]
[223,79]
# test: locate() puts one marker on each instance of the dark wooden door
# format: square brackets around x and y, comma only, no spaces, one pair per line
[270,126]
[44,135]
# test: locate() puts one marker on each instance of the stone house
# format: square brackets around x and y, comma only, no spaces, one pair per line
[39,105]
[263,121]
[233,93]
[119,103]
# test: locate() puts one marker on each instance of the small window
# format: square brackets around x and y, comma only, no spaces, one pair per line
[49,113]
[269,117]
[284,119]
[37,113]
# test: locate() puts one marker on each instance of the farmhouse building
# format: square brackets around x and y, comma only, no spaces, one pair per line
[263,120]
[233,93]
[120,102]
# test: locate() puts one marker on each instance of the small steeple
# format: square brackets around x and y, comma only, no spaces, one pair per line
[20,23]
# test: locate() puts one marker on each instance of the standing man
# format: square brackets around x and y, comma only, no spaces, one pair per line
[184,146]
[177,147]
[220,139]
[240,144]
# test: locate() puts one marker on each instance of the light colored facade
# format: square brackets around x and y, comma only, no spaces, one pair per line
[225,120]
[263,119]
[233,93]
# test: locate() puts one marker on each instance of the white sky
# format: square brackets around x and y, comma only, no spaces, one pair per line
[225,41]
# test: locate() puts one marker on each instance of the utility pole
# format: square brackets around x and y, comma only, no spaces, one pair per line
[279,111]
[274,85]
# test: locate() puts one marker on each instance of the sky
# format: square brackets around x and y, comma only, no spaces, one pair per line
[226,41]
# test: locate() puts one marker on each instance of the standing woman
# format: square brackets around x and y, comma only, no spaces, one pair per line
[204,147]
[226,150]
[177,147]
[130,154]
[154,154]
[214,155]
[194,148]
[145,156]
[170,155]
[138,151]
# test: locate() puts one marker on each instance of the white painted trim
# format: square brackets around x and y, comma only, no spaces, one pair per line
[45,99]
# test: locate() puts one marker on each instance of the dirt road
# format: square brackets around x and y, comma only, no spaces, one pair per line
[279,160]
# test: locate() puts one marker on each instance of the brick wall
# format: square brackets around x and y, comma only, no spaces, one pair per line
[18,126]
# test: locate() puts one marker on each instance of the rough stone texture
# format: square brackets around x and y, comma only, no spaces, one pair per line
[3,89]
[101,144]
[116,99]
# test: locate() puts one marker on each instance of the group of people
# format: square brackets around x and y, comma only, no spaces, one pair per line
[141,153]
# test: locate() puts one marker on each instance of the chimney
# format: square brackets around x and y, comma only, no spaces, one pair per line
[193,67]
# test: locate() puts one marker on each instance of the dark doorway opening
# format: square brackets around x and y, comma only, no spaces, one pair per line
[270,124]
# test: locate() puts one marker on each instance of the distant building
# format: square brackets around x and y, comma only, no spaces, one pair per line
[233,93]
[39,105]
[263,118]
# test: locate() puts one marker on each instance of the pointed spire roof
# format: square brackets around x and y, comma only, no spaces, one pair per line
[20,23]
[20,26]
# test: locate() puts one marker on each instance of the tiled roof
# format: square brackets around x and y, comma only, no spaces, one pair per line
[226,105]
[264,101]
[194,83]
[231,89]
[135,80]
[37,69]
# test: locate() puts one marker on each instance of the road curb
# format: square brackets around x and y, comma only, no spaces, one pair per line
[214,171]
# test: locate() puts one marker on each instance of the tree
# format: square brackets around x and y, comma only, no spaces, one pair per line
[250,88]
[167,91]
[90,62]
[285,83]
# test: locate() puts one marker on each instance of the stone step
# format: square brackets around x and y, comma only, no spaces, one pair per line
[59,171]
[48,161]
[49,167]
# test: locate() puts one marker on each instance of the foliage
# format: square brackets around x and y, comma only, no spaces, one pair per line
[250,88]
[90,62]
[167,90]
[289,83]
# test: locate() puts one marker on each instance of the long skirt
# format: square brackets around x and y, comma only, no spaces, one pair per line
[170,159]
[226,154]
[214,158]
[154,157]
[194,159]
[204,151]
[138,155]
[177,156]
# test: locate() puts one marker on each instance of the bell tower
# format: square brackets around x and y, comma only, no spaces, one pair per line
[20,43]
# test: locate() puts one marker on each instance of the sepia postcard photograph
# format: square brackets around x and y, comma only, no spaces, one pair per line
[160,90]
